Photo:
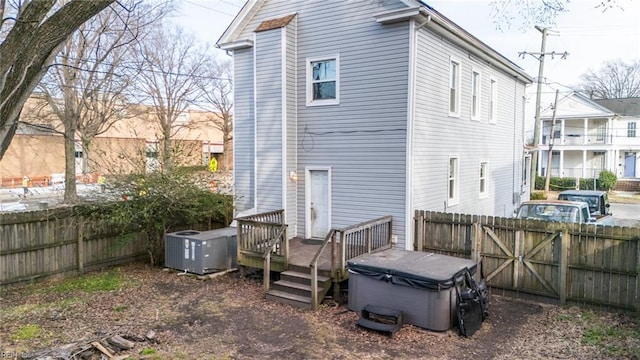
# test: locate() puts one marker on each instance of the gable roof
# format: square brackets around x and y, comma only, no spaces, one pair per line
[417,9]
[576,106]
[624,106]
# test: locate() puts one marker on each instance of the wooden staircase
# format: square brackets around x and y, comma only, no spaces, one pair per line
[294,287]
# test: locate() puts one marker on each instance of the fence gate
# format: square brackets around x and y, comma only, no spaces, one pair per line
[517,262]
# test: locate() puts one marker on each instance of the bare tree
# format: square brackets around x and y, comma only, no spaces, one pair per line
[172,61]
[31,30]
[528,13]
[217,89]
[614,80]
[88,81]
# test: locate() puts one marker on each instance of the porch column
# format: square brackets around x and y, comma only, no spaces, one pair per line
[561,163]
[585,130]
[609,133]
[584,164]
[562,131]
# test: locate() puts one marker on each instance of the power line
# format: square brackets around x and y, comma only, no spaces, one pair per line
[208,8]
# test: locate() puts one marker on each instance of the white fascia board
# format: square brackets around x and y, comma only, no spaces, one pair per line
[246,13]
[236,45]
[393,16]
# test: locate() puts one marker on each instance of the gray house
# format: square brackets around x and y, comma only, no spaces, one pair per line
[350,110]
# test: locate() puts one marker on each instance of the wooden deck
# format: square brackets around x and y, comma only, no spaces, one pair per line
[302,251]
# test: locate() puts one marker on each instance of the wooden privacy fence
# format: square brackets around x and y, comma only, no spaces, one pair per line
[583,263]
[38,244]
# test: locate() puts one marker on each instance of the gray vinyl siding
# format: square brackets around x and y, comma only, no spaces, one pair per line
[291,123]
[363,139]
[437,136]
[269,129]
[243,141]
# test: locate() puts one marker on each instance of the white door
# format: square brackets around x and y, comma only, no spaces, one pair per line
[317,207]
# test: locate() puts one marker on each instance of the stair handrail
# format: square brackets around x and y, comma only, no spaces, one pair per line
[314,268]
[266,256]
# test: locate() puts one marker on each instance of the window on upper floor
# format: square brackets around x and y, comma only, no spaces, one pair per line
[475,95]
[323,81]
[454,87]
[493,101]
[453,181]
[484,173]
[631,129]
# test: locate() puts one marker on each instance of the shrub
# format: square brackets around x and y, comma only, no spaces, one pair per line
[556,183]
[587,184]
[538,195]
[607,180]
[159,202]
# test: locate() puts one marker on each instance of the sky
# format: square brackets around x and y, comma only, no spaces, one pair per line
[588,34]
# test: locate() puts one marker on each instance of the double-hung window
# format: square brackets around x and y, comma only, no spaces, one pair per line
[454,88]
[453,181]
[484,176]
[631,129]
[493,101]
[475,95]
[323,81]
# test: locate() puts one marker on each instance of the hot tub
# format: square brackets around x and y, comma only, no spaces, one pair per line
[417,283]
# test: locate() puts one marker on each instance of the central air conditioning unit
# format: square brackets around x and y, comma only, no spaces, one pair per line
[201,252]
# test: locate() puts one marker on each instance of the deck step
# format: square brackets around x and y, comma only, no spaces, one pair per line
[288,298]
[381,319]
[303,276]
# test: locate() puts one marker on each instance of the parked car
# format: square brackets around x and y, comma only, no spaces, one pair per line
[556,210]
[598,201]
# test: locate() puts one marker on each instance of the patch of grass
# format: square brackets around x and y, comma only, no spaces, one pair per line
[26,332]
[120,308]
[148,351]
[564,317]
[610,338]
[105,281]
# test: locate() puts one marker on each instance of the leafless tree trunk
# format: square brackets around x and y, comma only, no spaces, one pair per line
[217,89]
[30,35]
[616,79]
[171,64]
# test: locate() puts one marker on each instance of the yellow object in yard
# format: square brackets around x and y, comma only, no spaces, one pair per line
[213,165]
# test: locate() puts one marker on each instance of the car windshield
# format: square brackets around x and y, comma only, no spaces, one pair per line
[592,201]
[549,212]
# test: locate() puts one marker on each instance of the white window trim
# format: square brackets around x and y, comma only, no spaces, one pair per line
[478,107]
[309,74]
[451,201]
[455,113]
[484,194]
[493,93]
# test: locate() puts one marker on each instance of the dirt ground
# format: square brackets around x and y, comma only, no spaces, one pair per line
[228,318]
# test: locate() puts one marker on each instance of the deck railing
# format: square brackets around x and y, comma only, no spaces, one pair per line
[346,244]
[264,234]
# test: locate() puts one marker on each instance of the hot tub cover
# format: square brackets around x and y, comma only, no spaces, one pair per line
[412,268]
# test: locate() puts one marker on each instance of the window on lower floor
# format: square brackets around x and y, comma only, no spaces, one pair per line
[484,173]
[453,181]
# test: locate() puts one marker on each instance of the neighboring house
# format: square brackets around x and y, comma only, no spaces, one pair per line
[346,111]
[131,144]
[590,136]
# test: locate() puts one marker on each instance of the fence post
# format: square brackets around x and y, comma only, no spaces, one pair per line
[80,246]
[563,267]
[476,240]
[418,241]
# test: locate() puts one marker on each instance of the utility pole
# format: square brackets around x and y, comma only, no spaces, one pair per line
[536,128]
[551,141]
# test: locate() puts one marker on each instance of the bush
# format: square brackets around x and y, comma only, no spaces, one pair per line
[607,180]
[556,183]
[538,195]
[588,184]
[157,203]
